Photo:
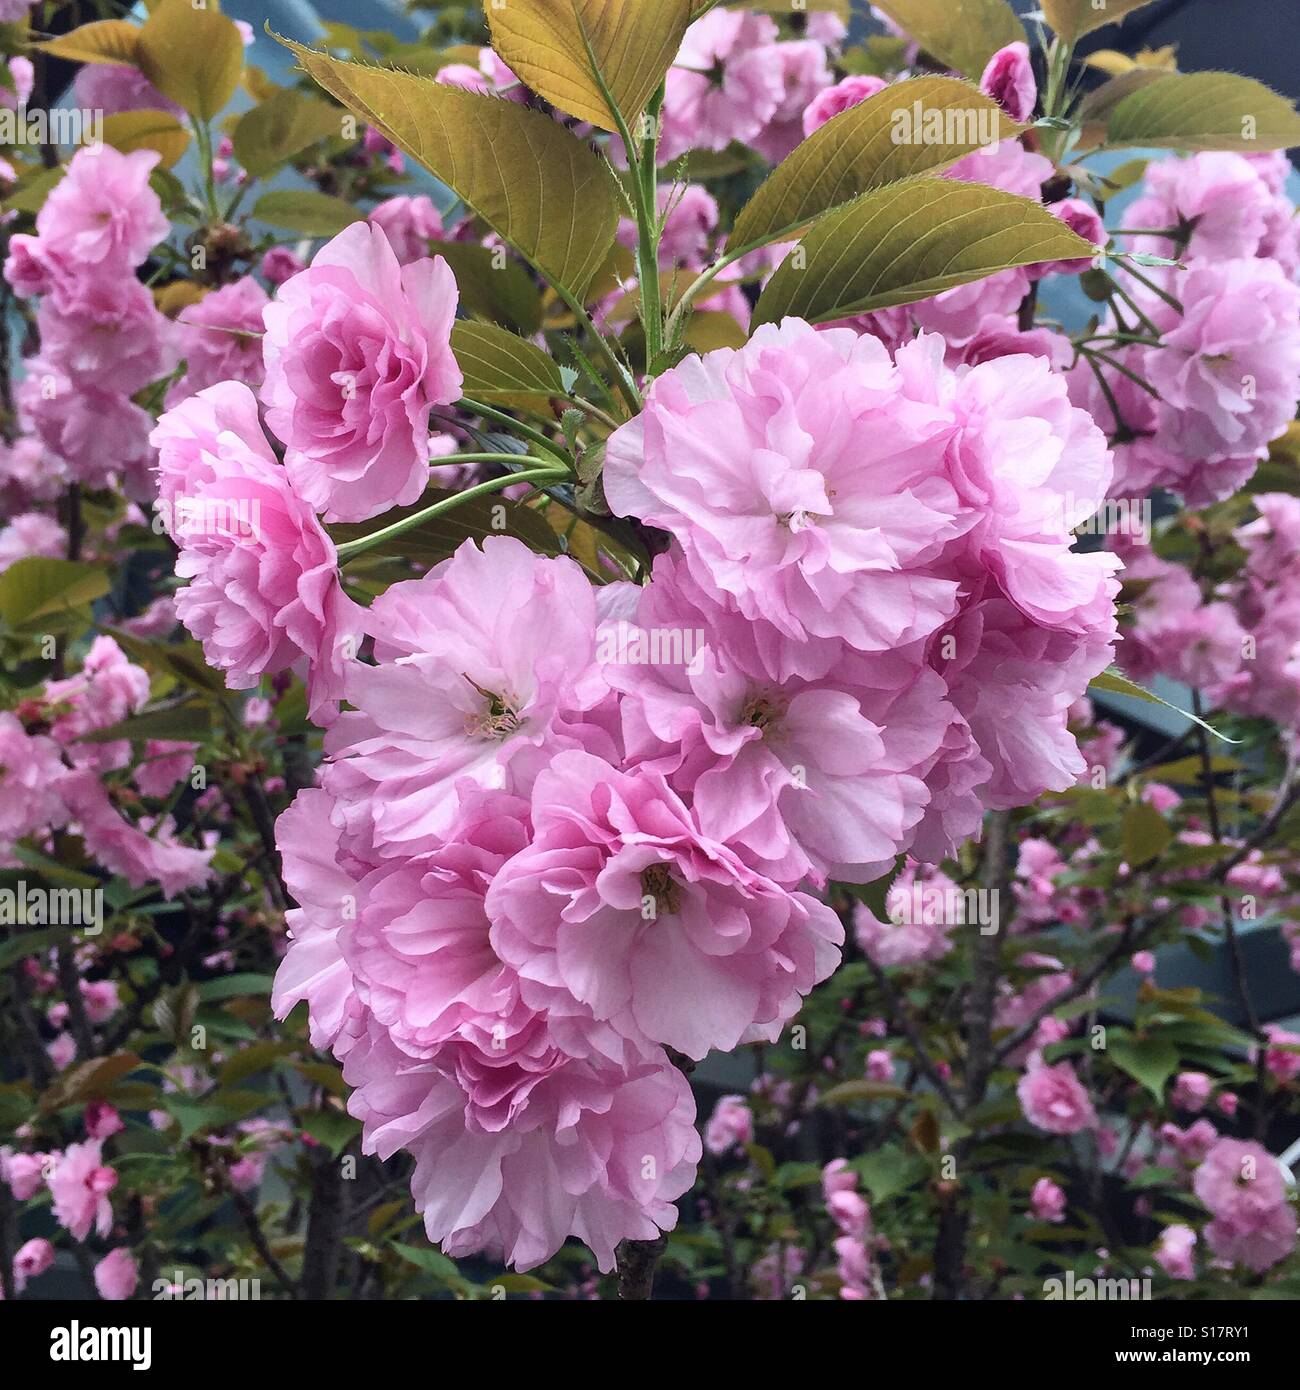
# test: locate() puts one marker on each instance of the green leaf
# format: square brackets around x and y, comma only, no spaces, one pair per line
[1095,108]
[1205,111]
[437,538]
[37,588]
[280,127]
[250,1061]
[52,870]
[962,34]
[147,130]
[188,722]
[857,151]
[332,1127]
[104,41]
[499,366]
[596,59]
[528,178]
[908,241]
[708,329]
[1116,684]
[192,55]
[889,1171]
[521,1283]
[847,1092]
[1151,1060]
[88,1081]
[306,211]
[30,943]
[496,289]
[1072,19]
[428,1259]
[1145,834]
[235,987]
[31,194]
[1154,1177]
[182,660]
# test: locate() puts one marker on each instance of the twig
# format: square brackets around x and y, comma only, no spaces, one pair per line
[636,1266]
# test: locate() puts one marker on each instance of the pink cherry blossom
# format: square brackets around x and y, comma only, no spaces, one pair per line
[848,92]
[1055,1101]
[102,216]
[1228,372]
[116,1275]
[518,1146]
[1254,1223]
[410,224]
[31,534]
[31,1260]
[220,339]
[486,670]
[1009,79]
[1173,1252]
[1191,1091]
[79,1186]
[727,82]
[265,592]
[804,73]
[1048,1201]
[358,353]
[648,920]
[730,1126]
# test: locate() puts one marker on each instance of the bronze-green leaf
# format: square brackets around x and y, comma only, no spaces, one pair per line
[499,366]
[147,130]
[192,55]
[527,177]
[491,285]
[1072,19]
[40,589]
[598,60]
[104,41]
[881,140]
[1205,111]
[306,211]
[1145,835]
[964,34]
[910,240]
[279,127]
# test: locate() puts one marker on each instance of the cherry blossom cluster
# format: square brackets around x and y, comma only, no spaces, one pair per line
[1196,414]
[54,776]
[1238,644]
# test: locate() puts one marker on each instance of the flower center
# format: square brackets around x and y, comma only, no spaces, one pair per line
[760,712]
[499,720]
[660,887]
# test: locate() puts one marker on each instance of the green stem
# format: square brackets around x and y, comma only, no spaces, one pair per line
[649,232]
[489,412]
[1174,303]
[203,139]
[622,379]
[692,291]
[1055,96]
[352,549]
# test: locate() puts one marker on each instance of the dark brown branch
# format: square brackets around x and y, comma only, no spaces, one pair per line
[636,1266]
